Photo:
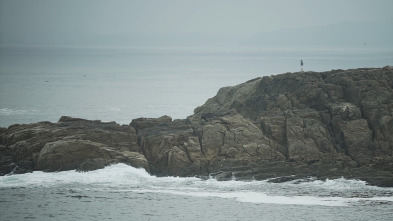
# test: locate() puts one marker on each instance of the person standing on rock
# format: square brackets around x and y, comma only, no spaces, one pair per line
[301,65]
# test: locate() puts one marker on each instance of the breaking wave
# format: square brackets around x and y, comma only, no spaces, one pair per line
[124,178]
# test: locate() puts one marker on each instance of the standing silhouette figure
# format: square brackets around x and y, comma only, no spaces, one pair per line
[301,64]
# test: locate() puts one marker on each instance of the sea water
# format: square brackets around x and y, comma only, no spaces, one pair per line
[120,84]
[121,192]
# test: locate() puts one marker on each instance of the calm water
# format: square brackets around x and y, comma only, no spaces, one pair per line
[44,83]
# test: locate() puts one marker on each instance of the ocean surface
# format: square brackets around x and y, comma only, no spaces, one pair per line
[120,84]
[121,192]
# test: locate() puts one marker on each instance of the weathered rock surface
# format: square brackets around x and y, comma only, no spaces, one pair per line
[327,124]
[71,143]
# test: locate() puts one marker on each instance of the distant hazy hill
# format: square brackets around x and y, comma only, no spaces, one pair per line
[345,33]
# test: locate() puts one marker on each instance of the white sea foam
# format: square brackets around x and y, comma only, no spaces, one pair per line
[116,108]
[9,111]
[339,184]
[111,175]
[125,178]
[260,197]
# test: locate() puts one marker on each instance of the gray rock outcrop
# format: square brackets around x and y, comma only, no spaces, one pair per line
[69,144]
[293,125]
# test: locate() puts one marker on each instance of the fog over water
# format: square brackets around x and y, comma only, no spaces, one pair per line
[194,23]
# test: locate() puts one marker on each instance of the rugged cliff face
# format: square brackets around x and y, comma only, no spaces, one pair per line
[328,124]
[319,123]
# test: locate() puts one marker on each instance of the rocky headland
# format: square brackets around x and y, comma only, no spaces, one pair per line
[289,126]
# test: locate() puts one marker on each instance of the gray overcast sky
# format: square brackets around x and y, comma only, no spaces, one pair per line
[222,16]
[106,17]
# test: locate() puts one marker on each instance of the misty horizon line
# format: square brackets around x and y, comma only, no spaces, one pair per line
[364,33]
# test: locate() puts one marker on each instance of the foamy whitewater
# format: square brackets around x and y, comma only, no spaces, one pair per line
[121,192]
[44,83]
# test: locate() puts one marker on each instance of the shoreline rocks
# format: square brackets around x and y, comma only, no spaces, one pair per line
[294,125]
